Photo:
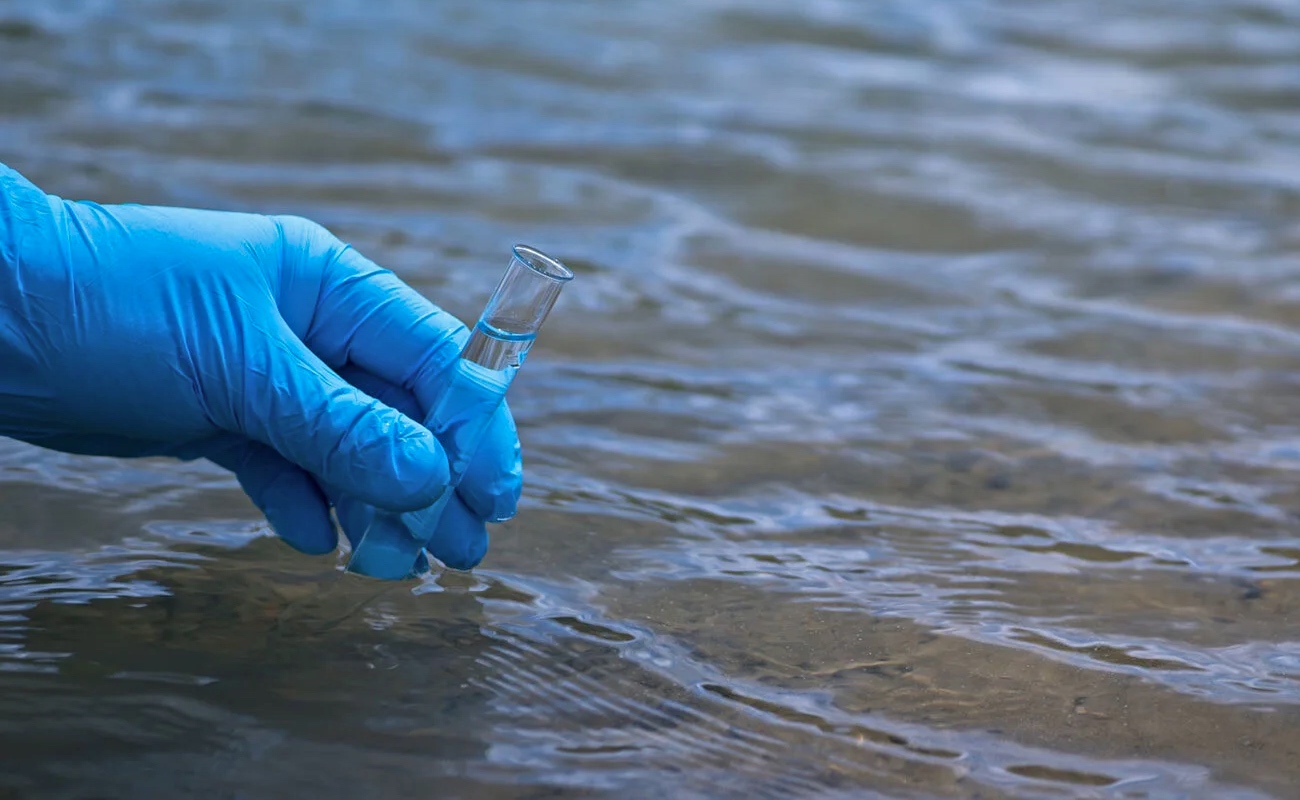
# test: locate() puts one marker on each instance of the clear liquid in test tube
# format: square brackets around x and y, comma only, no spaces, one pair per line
[497,348]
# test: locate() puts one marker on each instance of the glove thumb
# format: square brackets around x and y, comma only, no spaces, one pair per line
[294,403]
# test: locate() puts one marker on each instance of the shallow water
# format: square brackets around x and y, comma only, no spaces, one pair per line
[924,421]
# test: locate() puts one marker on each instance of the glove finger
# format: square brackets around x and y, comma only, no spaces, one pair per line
[297,405]
[493,481]
[356,518]
[366,315]
[291,501]
[461,540]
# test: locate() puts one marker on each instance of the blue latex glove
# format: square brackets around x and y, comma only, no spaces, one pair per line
[261,343]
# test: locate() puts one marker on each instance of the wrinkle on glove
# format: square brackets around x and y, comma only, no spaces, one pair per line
[263,344]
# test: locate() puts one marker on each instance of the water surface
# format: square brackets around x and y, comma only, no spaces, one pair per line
[924,420]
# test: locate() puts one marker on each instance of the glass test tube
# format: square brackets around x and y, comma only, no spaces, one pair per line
[500,342]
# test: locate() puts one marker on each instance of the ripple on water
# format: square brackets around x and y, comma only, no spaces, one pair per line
[922,422]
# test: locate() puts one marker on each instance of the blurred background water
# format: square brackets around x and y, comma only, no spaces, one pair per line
[924,422]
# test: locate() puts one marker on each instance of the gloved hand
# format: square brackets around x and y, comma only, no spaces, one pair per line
[261,343]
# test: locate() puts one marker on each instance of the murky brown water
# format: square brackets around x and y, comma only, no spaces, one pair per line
[925,420]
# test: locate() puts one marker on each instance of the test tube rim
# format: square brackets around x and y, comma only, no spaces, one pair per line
[544,265]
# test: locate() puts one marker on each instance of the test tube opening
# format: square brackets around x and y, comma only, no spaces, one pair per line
[517,308]
[526,292]
[540,262]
